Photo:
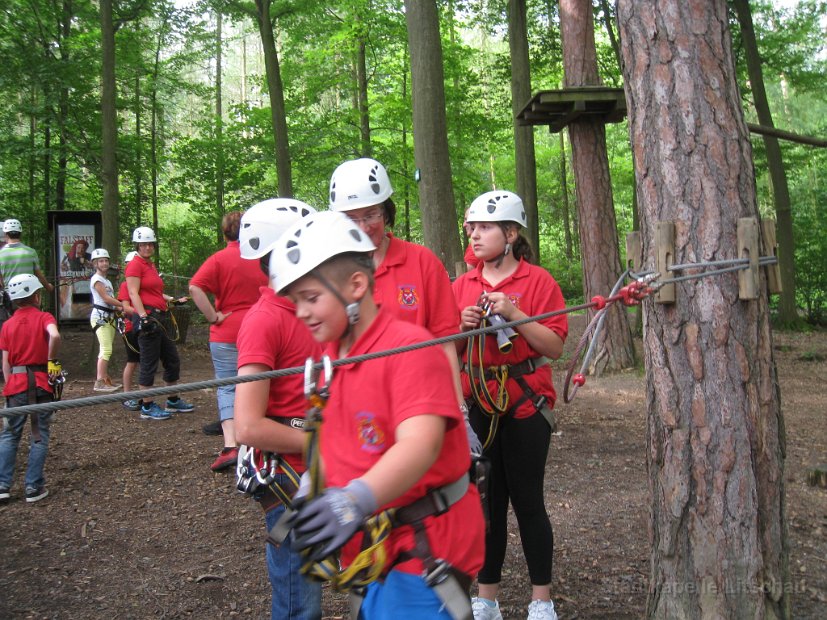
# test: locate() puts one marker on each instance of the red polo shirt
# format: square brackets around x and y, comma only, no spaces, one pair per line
[413,285]
[152,286]
[234,282]
[272,335]
[25,337]
[531,289]
[367,402]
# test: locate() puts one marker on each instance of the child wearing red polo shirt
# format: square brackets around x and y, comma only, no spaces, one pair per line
[518,436]
[391,434]
[268,414]
[30,343]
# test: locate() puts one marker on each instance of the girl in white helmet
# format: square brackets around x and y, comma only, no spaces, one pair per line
[514,417]
[146,294]
[391,433]
[130,339]
[104,307]
[410,281]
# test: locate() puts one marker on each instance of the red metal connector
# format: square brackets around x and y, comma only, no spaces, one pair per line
[599,302]
[579,380]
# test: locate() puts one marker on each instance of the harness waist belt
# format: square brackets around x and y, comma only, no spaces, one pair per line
[435,503]
[106,309]
[19,370]
[521,369]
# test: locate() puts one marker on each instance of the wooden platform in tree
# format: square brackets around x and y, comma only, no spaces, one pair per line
[558,108]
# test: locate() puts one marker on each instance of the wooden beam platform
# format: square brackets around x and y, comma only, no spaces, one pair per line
[558,108]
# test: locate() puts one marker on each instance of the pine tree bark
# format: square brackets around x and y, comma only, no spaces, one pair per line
[715,429]
[524,157]
[599,247]
[436,190]
[787,311]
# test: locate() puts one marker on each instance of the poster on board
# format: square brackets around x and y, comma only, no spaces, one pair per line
[76,234]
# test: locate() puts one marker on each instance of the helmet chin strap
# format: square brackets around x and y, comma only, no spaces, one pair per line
[351,309]
[506,251]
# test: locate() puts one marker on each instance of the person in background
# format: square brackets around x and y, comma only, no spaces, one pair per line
[268,412]
[147,297]
[30,342]
[510,286]
[15,259]
[234,284]
[392,436]
[130,339]
[104,307]
[410,281]
[471,261]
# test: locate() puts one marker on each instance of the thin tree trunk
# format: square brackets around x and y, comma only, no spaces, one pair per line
[716,448]
[599,247]
[524,156]
[362,96]
[564,198]
[276,91]
[219,129]
[139,164]
[787,310]
[436,190]
[109,162]
[32,155]
[405,160]
[63,109]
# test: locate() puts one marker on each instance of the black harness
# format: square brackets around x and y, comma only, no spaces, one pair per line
[31,392]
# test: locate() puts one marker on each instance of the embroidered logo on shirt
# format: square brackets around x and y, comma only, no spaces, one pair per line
[514,298]
[371,437]
[407,297]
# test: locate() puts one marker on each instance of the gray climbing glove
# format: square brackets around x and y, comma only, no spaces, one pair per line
[474,443]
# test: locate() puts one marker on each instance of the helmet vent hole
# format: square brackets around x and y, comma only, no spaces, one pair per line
[357,235]
[294,256]
[255,242]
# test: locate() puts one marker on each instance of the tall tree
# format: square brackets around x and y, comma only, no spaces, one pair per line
[598,229]
[109,131]
[219,126]
[436,190]
[787,311]
[715,427]
[526,163]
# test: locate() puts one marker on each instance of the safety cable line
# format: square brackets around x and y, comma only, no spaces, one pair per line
[76,403]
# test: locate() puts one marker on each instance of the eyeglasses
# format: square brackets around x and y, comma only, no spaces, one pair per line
[369,219]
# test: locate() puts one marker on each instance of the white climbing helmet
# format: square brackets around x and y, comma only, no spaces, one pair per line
[99,253]
[497,206]
[359,183]
[129,257]
[12,226]
[263,223]
[311,242]
[23,285]
[144,234]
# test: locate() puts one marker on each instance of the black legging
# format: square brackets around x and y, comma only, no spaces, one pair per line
[155,345]
[518,465]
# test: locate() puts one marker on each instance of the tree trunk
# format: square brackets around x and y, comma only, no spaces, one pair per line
[526,164]
[276,92]
[564,198]
[219,130]
[362,94]
[109,162]
[787,311]
[436,190]
[715,429]
[139,164]
[63,108]
[598,228]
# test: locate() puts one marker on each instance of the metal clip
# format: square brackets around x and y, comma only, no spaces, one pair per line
[311,377]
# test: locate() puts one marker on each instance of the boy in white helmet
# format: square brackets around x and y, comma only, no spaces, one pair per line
[268,413]
[104,307]
[391,437]
[517,436]
[30,342]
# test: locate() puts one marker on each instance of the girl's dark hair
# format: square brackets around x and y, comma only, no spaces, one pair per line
[264,263]
[230,224]
[520,248]
[390,212]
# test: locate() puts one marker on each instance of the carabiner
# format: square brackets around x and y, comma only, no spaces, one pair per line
[311,377]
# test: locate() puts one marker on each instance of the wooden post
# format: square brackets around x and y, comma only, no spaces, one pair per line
[634,256]
[771,248]
[748,248]
[665,248]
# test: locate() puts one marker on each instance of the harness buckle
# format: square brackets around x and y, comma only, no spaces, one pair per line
[439,572]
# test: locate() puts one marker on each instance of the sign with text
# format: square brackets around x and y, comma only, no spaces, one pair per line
[76,234]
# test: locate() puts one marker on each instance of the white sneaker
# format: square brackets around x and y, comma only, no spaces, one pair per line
[541,610]
[485,612]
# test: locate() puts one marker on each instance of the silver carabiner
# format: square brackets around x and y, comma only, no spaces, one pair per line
[311,376]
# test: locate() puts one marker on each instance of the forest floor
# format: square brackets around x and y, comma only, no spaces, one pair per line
[137,526]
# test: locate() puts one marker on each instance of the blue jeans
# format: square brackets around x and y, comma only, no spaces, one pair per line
[402,595]
[10,440]
[225,363]
[294,597]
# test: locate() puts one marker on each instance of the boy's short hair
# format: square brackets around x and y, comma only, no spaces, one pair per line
[26,301]
[230,225]
[339,268]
